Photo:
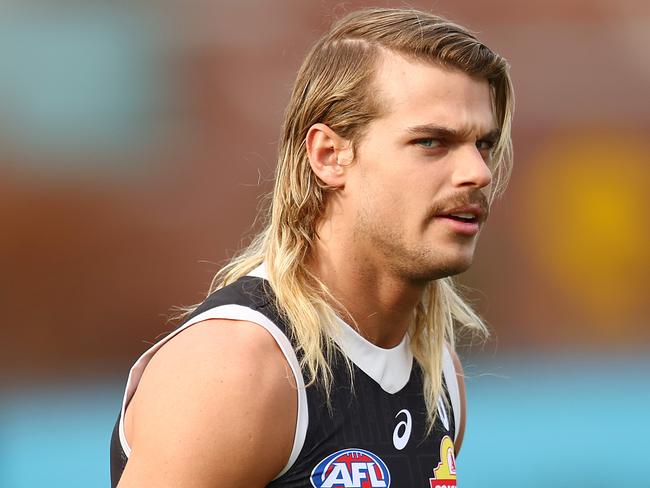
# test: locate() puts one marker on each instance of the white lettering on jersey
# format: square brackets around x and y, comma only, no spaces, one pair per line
[373,477]
[360,471]
[400,439]
[338,475]
[442,413]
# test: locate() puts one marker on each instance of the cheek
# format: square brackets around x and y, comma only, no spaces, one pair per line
[393,206]
[395,184]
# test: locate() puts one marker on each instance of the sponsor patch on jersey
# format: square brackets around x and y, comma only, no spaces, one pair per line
[444,475]
[351,468]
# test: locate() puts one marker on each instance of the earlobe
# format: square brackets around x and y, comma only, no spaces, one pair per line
[329,154]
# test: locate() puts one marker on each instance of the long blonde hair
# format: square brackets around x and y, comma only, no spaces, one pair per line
[333,87]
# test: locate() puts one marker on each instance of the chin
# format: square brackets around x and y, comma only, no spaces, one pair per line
[459,268]
[451,269]
[434,269]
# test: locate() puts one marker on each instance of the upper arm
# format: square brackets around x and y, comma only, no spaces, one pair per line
[460,376]
[216,406]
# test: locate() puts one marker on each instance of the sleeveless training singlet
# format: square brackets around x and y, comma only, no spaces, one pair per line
[374,435]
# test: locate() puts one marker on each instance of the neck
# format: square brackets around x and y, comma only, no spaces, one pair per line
[379,302]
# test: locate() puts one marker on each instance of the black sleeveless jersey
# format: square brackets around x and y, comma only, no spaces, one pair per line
[373,434]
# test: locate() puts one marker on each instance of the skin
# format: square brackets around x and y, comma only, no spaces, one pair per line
[378,245]
[191,422]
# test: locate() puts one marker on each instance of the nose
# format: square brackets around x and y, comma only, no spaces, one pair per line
[471,169]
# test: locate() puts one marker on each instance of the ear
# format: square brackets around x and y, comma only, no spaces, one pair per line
[329,155]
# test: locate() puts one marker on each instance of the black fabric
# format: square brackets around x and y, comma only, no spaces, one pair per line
[118,458]
[361,416]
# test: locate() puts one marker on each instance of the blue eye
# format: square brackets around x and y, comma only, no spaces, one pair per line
[428,143]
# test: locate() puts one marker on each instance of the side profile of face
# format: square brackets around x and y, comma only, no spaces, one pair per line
[415,195]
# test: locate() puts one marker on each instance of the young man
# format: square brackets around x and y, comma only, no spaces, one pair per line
[324,355]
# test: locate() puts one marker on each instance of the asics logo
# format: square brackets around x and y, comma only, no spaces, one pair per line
[402,432]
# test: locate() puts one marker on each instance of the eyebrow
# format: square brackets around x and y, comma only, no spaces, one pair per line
[448,133]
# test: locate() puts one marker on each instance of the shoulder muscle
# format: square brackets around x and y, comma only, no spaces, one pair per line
[216,406]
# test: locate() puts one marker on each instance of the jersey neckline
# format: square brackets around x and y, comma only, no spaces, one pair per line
[389,368]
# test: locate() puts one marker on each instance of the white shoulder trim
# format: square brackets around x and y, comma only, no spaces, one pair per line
[259,272]
[232,312]
[449,372]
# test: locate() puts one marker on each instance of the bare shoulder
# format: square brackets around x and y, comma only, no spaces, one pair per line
[216,406]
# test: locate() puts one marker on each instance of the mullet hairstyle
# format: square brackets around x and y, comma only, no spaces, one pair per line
[335,87]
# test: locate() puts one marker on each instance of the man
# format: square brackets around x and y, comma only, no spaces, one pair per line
[325,355]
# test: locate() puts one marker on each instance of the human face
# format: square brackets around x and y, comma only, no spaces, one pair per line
[425,158]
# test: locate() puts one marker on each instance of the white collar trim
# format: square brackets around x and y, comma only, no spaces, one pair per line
[390,368]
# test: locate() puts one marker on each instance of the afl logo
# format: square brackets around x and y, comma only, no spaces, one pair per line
[351,468]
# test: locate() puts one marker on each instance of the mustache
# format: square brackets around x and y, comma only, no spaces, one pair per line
[444,205]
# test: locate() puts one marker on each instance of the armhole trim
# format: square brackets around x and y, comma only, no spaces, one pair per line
[449,371]
[232,312]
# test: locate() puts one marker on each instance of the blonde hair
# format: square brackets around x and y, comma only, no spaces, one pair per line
[333,87]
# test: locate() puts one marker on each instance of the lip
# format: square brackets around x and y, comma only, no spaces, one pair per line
[473,208]
[465,228]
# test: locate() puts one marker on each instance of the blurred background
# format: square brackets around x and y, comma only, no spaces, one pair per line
[136,139]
